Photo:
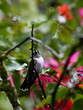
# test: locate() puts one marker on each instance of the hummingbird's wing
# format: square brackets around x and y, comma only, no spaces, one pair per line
[30,77]
[28,82]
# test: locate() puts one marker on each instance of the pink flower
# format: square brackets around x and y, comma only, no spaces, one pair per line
[51,63]
[45,79]
[32,94]
[80,12]
[80,69]
[73,59]
[55,78]
[80,72]
[10,76]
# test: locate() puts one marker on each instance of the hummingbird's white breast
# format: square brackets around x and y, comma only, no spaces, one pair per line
[40,60]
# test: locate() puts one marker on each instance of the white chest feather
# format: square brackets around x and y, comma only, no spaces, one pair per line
[40,60]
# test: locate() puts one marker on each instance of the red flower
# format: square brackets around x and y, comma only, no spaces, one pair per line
[64,10]
[69,16]
[45,79]
[59,105]
[67,106]
[53,64]
[44,108]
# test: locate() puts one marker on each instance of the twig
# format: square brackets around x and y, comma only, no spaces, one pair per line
[61,77]
[41,86]
[37,40]
[16,46]
[32,43]
[48,48]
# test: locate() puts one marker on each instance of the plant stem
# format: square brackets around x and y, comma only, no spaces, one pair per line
[41,86]
[61,77]
[48,48]
[37,40]
[18,45]
[32,42]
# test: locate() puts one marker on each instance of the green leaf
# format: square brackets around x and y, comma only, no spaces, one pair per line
[4,101]
[17,79]
[50,88]
[62,92]
[5,6]
[27,103]
[44,102]
[78,105]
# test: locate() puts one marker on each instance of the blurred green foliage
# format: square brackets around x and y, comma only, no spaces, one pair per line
[16,17]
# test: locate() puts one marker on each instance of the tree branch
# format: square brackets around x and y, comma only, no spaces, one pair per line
[32,48]
[41,86]
[48,48]
[16,46]
[37,40]
[61,77]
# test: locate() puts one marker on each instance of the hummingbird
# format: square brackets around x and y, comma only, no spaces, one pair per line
[35,68]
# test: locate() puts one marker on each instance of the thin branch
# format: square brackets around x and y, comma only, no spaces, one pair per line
[32,43]
[56,87]
[41,86]
[16,46]
[48,48]
[61,77]
[37,40]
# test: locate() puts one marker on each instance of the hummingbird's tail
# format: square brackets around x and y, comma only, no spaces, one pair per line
[28,82]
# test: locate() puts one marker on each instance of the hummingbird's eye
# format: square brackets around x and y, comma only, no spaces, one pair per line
[35,52]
